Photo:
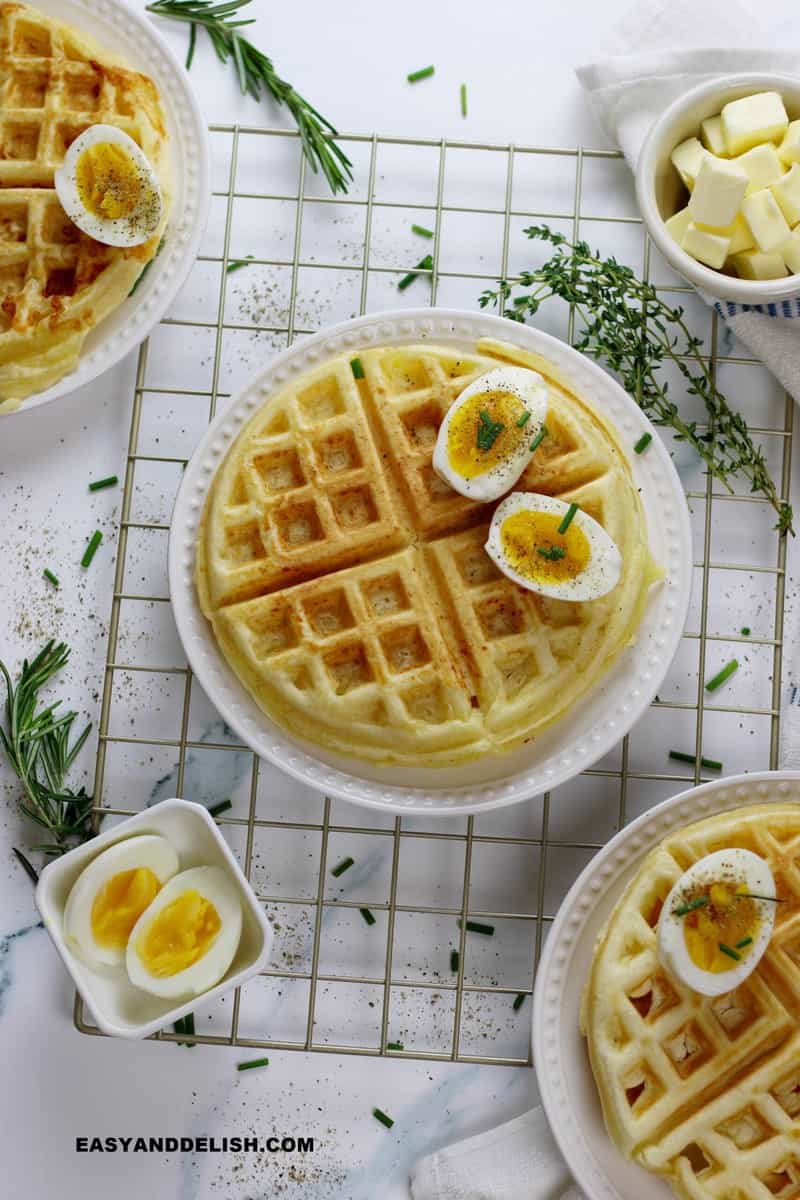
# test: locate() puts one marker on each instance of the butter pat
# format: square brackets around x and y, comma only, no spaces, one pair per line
[687,159]
[678,224]
[789,148]
[712,136]
[718,193]
[706,246]
[752,264]
[753,119]
[762,165]
[790,252]
[766,220]
[738,234]
[787,193]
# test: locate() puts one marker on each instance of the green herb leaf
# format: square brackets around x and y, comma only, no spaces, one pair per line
[744,942]
[745,631]
[537,441]
[568,518]
[237,264]
[683,909]
[425,264]
[731,953]
[523,421]
[357,367]
[488,430]
[553,553]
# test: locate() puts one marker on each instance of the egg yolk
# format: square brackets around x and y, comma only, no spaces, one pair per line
[119,904]
[725,918]
[109,182]
[534,548]
[179,935]
[484,432]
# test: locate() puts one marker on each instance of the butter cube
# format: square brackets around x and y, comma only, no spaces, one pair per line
[790,252]
[787,192]
[753,119]
[752,264]
[687,159]
[718,193]
[707,247]
[712,136]
[762,165]
[738,234]
[766,220]
[678,224]
[789,148]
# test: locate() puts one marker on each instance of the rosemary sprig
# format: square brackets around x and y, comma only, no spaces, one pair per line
[257,76]
[36,742]
[630,329]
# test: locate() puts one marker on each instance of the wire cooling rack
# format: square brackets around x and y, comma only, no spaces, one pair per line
[416,983]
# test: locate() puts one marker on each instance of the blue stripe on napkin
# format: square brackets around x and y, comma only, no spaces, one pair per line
[785,308]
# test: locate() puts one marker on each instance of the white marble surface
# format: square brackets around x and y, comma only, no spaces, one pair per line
[351,59]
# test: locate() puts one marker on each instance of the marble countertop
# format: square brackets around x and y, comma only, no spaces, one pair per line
[352,61]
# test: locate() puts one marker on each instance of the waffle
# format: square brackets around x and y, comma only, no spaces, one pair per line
[55,282]
[702,1090]
[347,584]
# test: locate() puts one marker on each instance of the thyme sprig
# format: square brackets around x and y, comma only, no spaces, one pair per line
[629,328]
[36,741]
[257,77]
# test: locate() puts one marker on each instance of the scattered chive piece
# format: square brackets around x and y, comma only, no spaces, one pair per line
[29,870]
[394,1045]
[376,1112]
[537,441]
[455,958]
[367,915]
[478,927]
[97,484]
[253,1062]
[488,430]
[422,231]
[683,909]
[523,421]
[343,866]
[731,953]
[519,1000]
[91,549]
[463,95]
[424,264]
[554,553]
[424,73]
[723,675]
[744,942]
[357,367]
[222,807]
[755,896]
[711,763]
[745,631]
[185,1027]
[643,442]
[568,516]
[237,264]
[50,577]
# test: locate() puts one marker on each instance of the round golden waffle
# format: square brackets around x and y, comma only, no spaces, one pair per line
[703,1090]
[347,584]
[55,282]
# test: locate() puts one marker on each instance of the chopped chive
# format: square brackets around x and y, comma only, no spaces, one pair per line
[27,867]
[98,484]
[91,549]
[376,1112]
[519,1000]
[50,577]
[523,421]
[192,44]
[537,441]
[237,264]
[424,264]
[343,866]
[755,896]
[463,96]
[185,1027]
[357,367]
[683,909]
[553,553]
[422,231]
[251,1063]
[711,763]
[455,958]
[723,675]
[643,442]
[478,927]
[367,915]
[394,1046]
[423,73]
[568,517]
[731,953]
[745,631]
[744,942]
[488,430]
[222,807]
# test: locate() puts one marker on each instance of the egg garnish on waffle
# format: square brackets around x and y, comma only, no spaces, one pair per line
[84,193]
[692,1009]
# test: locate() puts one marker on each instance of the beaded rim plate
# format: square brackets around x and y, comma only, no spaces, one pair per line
[134,37]
[595,724]
[563,1073]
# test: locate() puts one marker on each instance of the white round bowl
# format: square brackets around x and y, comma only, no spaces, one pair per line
[563,1073]
[661,194]
[133,36]
[569,746]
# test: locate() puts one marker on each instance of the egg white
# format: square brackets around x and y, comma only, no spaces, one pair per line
[531,389]
[132,230]
[218,887]
[754,872]
[598,577]
[146,850]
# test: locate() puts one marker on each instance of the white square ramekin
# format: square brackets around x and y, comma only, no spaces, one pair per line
[119,1008]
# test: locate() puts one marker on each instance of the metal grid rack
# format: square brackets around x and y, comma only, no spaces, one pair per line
[336,985]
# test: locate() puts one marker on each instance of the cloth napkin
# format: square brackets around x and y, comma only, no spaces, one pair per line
[520,1159]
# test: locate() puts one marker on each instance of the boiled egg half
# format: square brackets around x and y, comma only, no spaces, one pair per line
[489,434]
[110,895]
[717,921]
[185,941]
[108,189]
[552,547]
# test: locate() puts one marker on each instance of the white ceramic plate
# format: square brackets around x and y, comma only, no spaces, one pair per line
[562,1066]
[134,37]
[593,726]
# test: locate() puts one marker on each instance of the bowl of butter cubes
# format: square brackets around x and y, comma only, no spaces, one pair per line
[718,185]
